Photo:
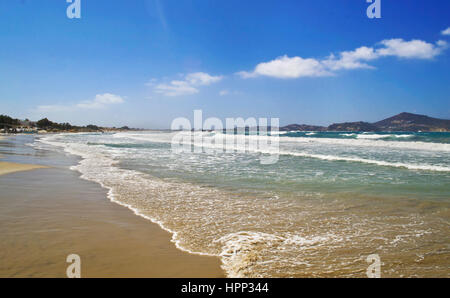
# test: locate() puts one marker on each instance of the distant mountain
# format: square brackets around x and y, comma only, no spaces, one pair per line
[353,126]
[413,122]
[400,122]
[303,127]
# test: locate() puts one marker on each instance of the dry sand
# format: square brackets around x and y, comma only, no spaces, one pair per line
[48,214]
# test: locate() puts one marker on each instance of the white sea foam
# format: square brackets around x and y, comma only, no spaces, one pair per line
[371,142]
[373,137]
[410,166]
[404,136]
[377,136]
[242,250]
[362,142]
[243,148]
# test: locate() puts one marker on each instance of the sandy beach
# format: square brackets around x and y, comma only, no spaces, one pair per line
[49,213]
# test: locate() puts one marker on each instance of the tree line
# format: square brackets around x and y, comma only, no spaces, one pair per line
[8,122]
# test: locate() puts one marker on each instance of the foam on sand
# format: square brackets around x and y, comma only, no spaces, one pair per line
[8,167]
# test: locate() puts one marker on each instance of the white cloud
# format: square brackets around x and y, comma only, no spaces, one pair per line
[288,68]
[99,102]
[442,44]
[295,67]
[176,88]
[414,49]
[446,31]
[201,78]
[351,59]
[188,86]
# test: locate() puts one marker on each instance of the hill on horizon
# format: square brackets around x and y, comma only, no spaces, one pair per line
[402,122]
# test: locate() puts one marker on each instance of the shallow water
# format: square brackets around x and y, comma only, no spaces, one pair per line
[331,200]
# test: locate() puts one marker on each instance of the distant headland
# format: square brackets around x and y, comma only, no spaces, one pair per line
[402,122]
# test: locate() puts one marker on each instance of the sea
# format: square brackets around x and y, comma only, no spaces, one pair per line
[328,202]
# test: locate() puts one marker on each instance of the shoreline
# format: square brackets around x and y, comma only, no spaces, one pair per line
[49,213]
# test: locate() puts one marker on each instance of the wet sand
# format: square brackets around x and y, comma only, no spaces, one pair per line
[9,167]
[48,214]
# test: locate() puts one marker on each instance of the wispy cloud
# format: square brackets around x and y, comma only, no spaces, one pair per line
[285,67]
[176,88]
[53,108]
[161,14]
[446,31]
[227,92]
[201,78]
[224,92]
[188,86]
[100,101]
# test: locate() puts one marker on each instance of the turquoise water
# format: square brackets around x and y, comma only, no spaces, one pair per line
[292,173]
[433,137]
[330,200]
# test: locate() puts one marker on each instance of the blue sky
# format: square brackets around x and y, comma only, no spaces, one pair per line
[144,63]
